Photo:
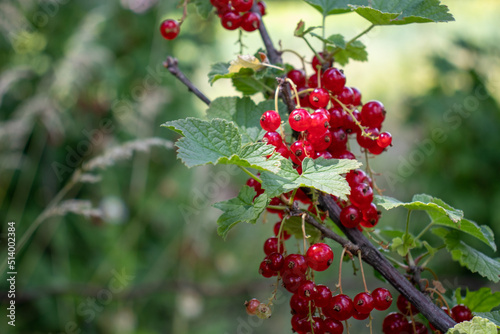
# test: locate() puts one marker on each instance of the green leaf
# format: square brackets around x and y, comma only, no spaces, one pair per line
[244,113]
[240,209]
[355,50]
[336,40]
[204,7]
[482,300]
[404,244]
[330,7]
[320,174]
[293,226]
[217,71]
[441,214]
[218,142]
[471,258]
[477,325]
[396,12]
[491,316]
[247,85]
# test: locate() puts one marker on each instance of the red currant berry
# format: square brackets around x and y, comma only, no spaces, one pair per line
[291,282]
[231,20]
[250,21]
[222,9]
[376,150]
[350,216]
[265,271]
[242,5]
[356,97]
[339,140]
[360,316]
[334,80]
[255,185]
[323,296]
[336,117]
[251,306]
[341,308]
[394,323]
[275,201]
[405,307]
[304,98]
[345,154]
[363,303]
[317,326]
[357,176]
[302,149]
[271,246]
[346,97]
[298,77]
[300,323]
[361,195]
[262,7]
[170,29]
[320,142]
[419,328]
[367,141]
[316,64]
[350,125]
[373,114]
[307,290]
[333,326]
[295,264]
[370,217]
[300,305]
[384,139]
[283,150]
[270,120]
[461,313]
[319,256]
[284,234]
[319,98]
[273,138]
[319,122]
[275,261]
[323,154]
[299,120]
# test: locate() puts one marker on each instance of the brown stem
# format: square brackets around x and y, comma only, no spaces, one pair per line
[171,65]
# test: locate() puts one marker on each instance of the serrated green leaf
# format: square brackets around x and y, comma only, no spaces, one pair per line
[244,113]
[221,71]
[218,142]
[404,244]
[491,316]
[321,174]
[396,12]
[246,85]
[242,208]
[441,214]
[471,258]
[477,325]
[204,7]
[331,7]
[293,226]
[355,50]
[336,40]
[482,300]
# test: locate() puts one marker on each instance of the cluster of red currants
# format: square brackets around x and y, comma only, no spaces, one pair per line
[396,323]
[236,14]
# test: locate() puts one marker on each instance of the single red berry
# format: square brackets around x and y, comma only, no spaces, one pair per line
[298,77]
[251,306]
[291,281]
[333,326]
[373,114]
[319,256]
[319,121]
[360,316]
[375,149]
[461,313]
[300,305]
[370,217]
[250,21]
[346,97]
[361,195]
[273,138]
[350,125]
[299,120]
[251,182]
[317,326]
[170,29]
[312,81]
[295,264]
[345,154]
[394,323]
[275,201]
[323,296]
[307,290]
[367,141]
[316,64]
[262,7]
[384,139]
[283,150]
[319,98]
[350,216]
[320,142]
[265,271]
[242,5]
[223,8]
[275,261]
[356,97]
[405,307]
[419,328]
[363,303]
[341,308]
[301,149]
[323,154]
[357,176]
[336,117]
[339,140]
[334,80]
[231,20]
[270,120]
[300,323]
[284,234]
[271,246]
[304,98]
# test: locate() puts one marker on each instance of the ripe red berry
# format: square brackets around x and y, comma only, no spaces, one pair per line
[300,323]
[319,256]
[367,141]
[361,195]
[339,140]
[265,271]
[405,307]
[323,296]
[299,120]
[250,21]
[373,114]
[333,326]
[350,125]
[357,176]
[307,290]
[350,216]
[295,264]
[341,308]
[315,62]
[376,150]
[170,29]
[319,121]
[317,326]
[283,150]
[323,154]
[251,182]
[370,217]
[419,328]
[291,281]
[231,20]
[394,323]
[242,5]
[363,303]
[360,316]
[262,7]
[301,149]
[275,261]
[334,80]
[298,77]
[273,138]
[346,97]
[384,139]
[320,142]
[300,305]
[319,98]
[284,234]
[336,117]
[345,154]
[251,306]
[356,97]
[270,120]
[271,246]
[461,313]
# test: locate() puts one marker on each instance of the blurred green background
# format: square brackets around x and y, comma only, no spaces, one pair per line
[134,248]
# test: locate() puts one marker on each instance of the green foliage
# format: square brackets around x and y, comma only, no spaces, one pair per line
[482,300]
[293,226]
[330,7]
[355,50]
[204,7]
[494,317]
[243,208]
[477,325]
